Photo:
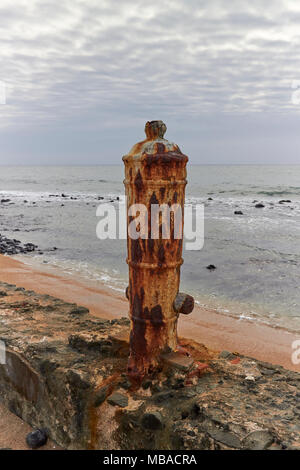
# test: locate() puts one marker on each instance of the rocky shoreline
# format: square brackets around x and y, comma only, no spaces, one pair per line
[76,385]
[12,246]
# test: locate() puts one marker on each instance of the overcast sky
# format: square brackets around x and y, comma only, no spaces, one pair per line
[83,76]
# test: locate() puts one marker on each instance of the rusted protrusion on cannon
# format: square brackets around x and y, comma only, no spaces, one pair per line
[155,175]
[183,303]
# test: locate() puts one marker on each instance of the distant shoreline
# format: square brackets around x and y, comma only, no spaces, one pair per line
[207,326]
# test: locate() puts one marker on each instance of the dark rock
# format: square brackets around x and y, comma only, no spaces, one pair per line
[101,396]
[118,399]
[163,396]
[227,438]
[267,365]
[90,342]
[155,388]
[258,440]
[47,366]
[211,267]
[3,293]
[186,394]
[152,421]
[238,213]
[259,205]
[146,384]
[77,380]
[267,371]
[30,246]
[285,200]
[179,383]
[126,384]
[36,439]
[13,247]
[79,310]
[226,355]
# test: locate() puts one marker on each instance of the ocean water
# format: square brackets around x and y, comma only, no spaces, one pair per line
[257,254]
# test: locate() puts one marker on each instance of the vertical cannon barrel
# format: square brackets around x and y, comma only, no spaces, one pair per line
[155,180]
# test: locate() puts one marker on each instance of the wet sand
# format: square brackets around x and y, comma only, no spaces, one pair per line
[215,330]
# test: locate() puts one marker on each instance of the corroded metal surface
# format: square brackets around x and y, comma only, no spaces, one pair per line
[155,173]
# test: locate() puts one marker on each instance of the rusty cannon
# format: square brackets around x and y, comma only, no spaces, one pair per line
[155,180]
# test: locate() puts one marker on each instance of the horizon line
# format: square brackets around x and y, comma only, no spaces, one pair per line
[119,164]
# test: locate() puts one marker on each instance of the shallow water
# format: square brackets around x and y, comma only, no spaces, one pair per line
[257,254]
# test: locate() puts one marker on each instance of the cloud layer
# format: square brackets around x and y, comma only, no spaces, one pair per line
[100,64]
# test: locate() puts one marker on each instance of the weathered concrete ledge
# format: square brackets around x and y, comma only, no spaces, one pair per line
[65,370]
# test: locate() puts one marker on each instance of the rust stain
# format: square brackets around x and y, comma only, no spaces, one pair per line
[136,251]
[153,199]
[138,181]
[161,254]
[93,412]
[162,192]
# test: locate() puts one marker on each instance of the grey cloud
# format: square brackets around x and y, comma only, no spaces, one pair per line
[73,62]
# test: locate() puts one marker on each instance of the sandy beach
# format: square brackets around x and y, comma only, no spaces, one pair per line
[217,331]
